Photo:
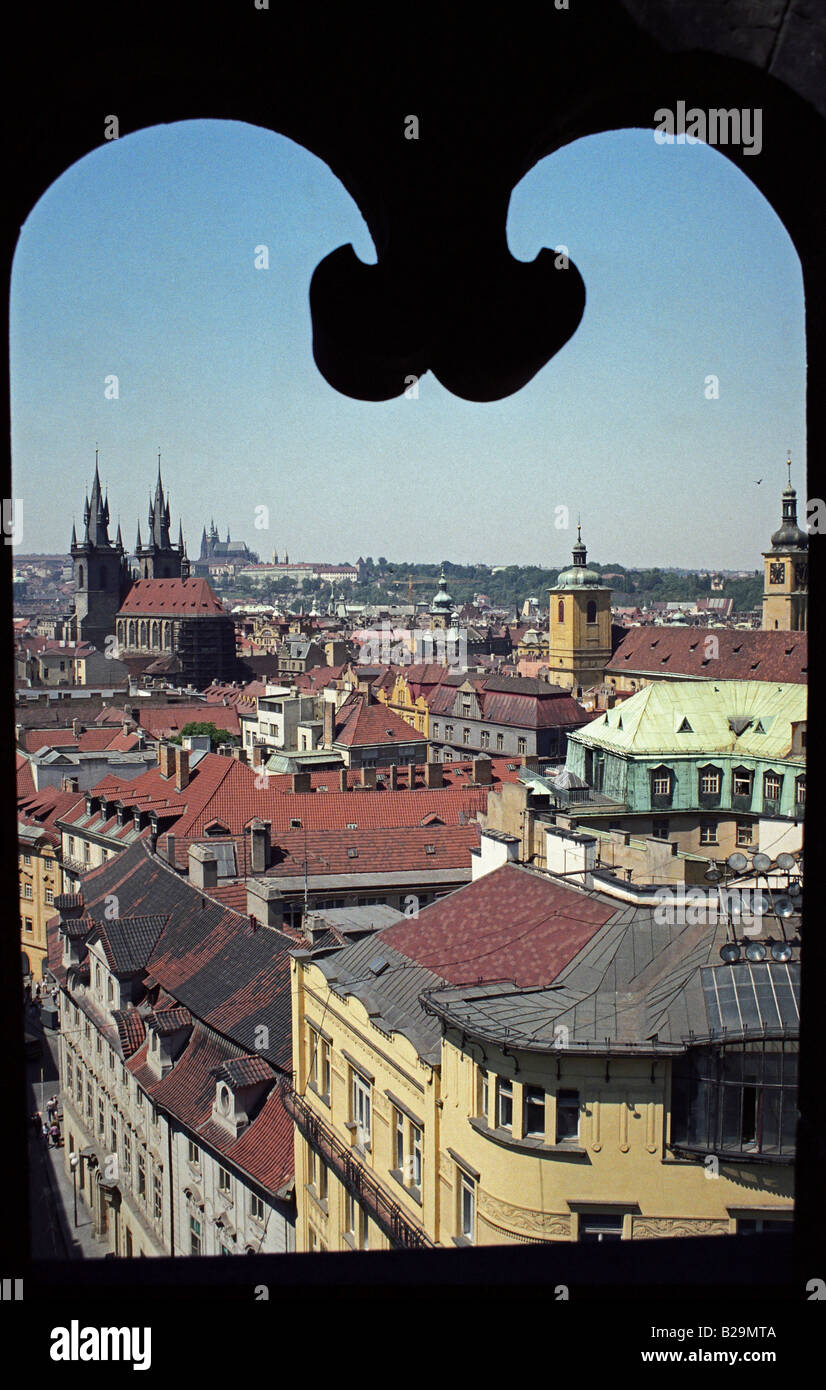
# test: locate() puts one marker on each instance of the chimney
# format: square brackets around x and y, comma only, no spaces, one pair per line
[76,728]
[329,729]
[368,777]
[301,781]
[166,759]
[170,850]
[258,751]
[237,752]
[342,779]
[126,726]
[127,712]
[482,772]
[433,775]
[530,760]
[203,866]
[259,847]
[20,735]
[181,769]
[394,778]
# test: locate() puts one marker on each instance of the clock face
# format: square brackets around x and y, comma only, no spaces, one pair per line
[777,573]
[801,576]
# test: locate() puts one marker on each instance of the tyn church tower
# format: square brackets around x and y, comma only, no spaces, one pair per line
[102,577]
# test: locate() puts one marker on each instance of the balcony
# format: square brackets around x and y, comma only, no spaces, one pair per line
[388,1216]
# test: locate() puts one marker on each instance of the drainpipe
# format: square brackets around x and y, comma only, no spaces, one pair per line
[171,1189]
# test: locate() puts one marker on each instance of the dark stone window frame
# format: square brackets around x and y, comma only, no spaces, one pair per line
[709,798]
[662,799]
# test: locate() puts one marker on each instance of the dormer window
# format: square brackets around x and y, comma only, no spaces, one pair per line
[685,727]
[662,786]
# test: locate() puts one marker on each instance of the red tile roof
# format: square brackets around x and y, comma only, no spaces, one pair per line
[163,720]
[511,924]
[361,725]
[25,781]
[402,850]
[172,598]
[741,655]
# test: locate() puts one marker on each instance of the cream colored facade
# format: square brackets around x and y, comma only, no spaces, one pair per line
[465,1153]
[40,882]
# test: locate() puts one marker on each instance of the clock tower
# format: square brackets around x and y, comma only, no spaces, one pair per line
[786,573]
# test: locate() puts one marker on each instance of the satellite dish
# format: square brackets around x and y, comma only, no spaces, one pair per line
[730,952]
[784,907]
[786,861]
[761,863]
[738,862]
[755,951]
[781,951]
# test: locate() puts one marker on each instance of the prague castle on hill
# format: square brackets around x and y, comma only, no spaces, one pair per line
[158,611]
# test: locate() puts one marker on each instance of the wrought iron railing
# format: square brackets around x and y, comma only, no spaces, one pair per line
[386,1213]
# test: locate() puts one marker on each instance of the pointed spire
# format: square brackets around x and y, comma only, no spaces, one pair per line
[139,542]
[119,540]
[74,535]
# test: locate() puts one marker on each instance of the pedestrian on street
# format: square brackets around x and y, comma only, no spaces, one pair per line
[37,1121]
[45,1131]
[55,1135]
[50,1109]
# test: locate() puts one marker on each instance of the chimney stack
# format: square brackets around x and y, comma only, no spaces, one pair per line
[433,775]
[482,771]
[259,847]
[342,779]
[203,866]
[181,769]
[394,778]
[76,728]
[368,777]
[329,726]
[301,782]
[166,759]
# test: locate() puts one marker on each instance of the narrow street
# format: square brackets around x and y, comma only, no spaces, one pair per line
[53,1232]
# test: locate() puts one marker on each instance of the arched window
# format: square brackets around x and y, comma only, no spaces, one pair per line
[167,636]
[156,636]
[142,635]
[80,576]
[131,629]
[560,611]
[592,611]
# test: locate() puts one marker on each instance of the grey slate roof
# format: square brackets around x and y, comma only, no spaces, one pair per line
[391,997]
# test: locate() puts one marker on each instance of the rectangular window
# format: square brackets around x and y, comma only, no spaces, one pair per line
[157,1197]
[49,896]
[27,859]
[661,785]
[484,1094]
[351,1216]
[319,1063]
[708,832]
[113,1135]
[741,784]
[448,731]
[500,742]
[504,1097]
[567,1116]
[127,1152]
[465,735]
[435,729]
[416,1156]
[534,1118]
[224,1181]
[399,1133]
[194,1153]
[28,924]
[27,890]
[772,783]
[522,745]
[744,833]
[194,1236]
[600,1226]
[467,1206]
[141,1173]
[485,738]
[361,1116]
[256,1207]
[659,828]
[709,782]
[101,1117]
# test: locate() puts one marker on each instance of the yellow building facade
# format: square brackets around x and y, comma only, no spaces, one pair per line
[40,882]
[435,1133]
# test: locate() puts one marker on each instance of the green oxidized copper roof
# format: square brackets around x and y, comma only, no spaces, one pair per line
[578,576]
[697,717]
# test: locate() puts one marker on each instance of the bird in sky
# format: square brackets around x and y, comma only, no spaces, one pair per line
[759,481]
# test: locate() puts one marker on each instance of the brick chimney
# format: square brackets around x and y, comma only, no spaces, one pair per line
[342,779]
[301,782]
[77,728]
[329,726]
[433,775]
[181,769]
[368,777]
[365,688]
[393,785]
[259,846]
[482,771]
[166,759]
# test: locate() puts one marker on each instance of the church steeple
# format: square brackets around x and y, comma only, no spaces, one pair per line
[159,558]
[786,573]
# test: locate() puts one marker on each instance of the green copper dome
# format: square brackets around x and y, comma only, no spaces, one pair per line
[579,576]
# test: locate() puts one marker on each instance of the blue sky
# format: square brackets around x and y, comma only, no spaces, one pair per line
[139,261]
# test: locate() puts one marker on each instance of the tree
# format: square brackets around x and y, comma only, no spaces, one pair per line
[216,736]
